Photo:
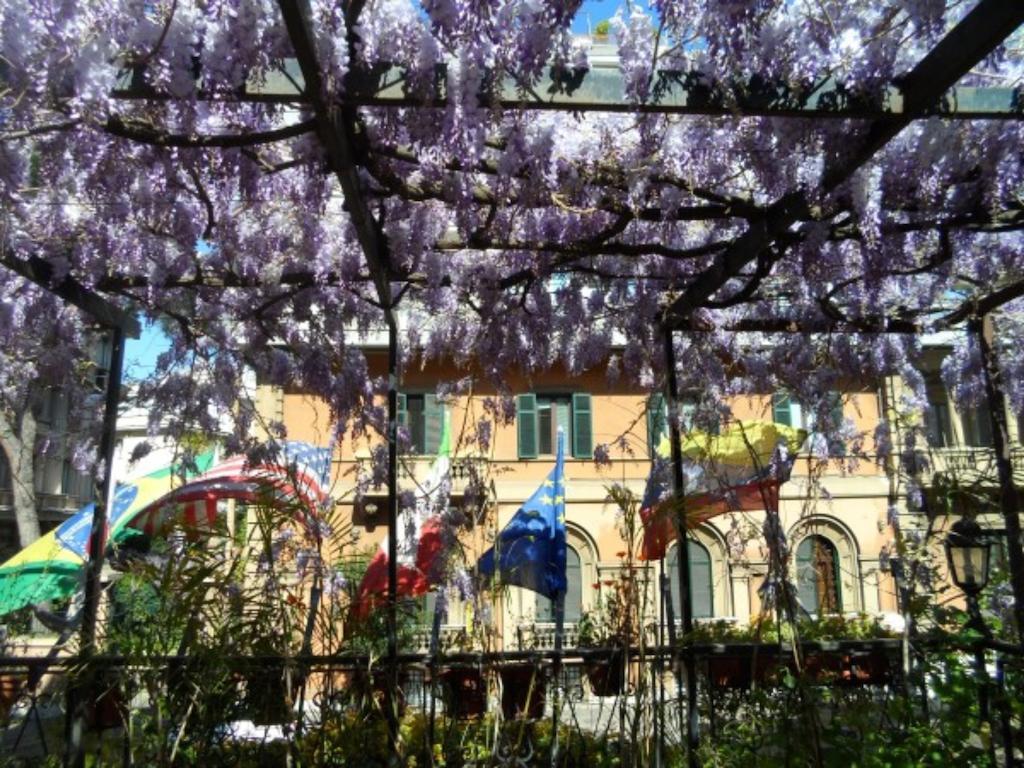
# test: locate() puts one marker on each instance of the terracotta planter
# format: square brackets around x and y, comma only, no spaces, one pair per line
[870,668]
[607,676]
[522,691]
[11,686]
[107,710]
[740,671]
[820,667]
[266,697]
[466,692]
[367,689]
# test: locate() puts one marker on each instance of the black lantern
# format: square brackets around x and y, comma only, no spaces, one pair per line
[967,552]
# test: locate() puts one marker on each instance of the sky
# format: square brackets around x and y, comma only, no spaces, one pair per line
[596,10]
[140,354]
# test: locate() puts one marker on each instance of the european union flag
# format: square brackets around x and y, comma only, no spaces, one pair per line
[530,550]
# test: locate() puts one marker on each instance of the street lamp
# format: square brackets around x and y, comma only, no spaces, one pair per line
[967,552]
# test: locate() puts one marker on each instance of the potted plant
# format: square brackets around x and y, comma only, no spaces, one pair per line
[522,691]
[465,692]
[610,628]
[11,683]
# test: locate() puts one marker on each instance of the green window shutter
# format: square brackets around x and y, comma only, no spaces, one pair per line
[657,424]
[781,413]
[836,408]
[806,577]
[526,422]
[702,594]
[403,413]
[836,446]
[433,416]
[837,575]
[582,427]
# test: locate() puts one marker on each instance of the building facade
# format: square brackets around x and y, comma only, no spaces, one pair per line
[835,512]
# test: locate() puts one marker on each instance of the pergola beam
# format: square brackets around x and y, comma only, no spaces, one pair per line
[987,24]
[601,89]
[40,272]
[334,135]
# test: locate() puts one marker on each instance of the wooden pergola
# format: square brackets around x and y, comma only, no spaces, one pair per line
[928,90]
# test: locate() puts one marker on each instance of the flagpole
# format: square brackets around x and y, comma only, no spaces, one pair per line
[688,666]
[77,693]
[435,635]
[659,680]
[556,669]
[391,689]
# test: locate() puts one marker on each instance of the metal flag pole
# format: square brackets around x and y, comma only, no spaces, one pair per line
[659,679]
[435,637]
[78,692]
[391,702]
[556,674]
[688,666]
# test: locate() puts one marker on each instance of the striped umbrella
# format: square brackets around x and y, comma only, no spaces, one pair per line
[50,568]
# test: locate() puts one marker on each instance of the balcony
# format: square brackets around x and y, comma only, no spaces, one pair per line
[969,465]
[450,638]
[58,502]
[541,636]
[413,471]
[45,502]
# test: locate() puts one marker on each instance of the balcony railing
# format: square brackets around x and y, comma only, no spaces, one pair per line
[542,636]
[45,502]
[972,463]
[415,470]
[58,502]
[450,638]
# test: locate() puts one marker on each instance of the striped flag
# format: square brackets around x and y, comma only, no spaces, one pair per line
[420,544]
[736,471]
[294,472]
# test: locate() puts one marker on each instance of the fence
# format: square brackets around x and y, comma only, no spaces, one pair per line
[605,700]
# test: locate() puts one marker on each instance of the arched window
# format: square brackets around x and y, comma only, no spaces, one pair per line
[573,591]
[817,575]
[701,583]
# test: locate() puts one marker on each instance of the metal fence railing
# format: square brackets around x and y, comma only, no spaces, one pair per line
[607,695]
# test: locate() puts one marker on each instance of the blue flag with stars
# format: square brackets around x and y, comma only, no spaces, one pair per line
[530,550]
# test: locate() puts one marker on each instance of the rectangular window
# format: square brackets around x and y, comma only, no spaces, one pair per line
[539,418]
[937,425]
[691,415]
[787,410]
[422,415]
[977,424]
[76,484]
[427,605]
[553,412]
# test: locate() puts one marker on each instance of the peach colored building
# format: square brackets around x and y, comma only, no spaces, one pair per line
[837,526]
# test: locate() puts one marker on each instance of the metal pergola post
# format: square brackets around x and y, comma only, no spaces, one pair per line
[76,699]
[1009,505]
[122,326]
[391,702]
[688,666]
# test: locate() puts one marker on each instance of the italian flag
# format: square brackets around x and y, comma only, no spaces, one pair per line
[419,539]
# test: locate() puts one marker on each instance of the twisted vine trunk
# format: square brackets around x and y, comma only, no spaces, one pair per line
[18,431]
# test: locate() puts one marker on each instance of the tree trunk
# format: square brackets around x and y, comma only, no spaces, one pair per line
[18,441]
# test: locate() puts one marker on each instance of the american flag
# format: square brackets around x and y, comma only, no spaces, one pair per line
[295,472]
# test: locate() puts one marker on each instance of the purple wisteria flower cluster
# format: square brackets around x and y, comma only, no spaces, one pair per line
[168,157]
